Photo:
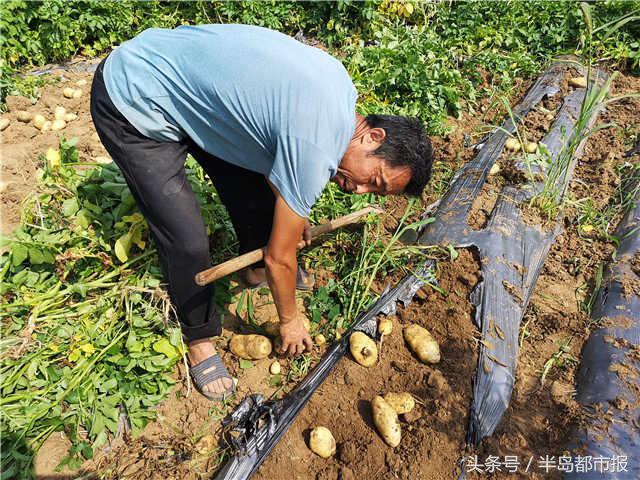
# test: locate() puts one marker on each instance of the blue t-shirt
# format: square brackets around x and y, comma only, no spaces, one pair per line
[248,95]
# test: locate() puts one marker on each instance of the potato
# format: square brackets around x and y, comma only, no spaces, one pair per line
[422,343]
[578,82]
[530,147]
[70,117]
[46,126]
[68,92]
[58,124]
[59,113]
[385,326]
[363,349]
[321,442]
[275,368]
[495,169]
[77,93]
[38,121]
[4,123]
[250,347]
[81,83]
[386,421]
[24,116]
[402,402]
[320,339]
[512,144]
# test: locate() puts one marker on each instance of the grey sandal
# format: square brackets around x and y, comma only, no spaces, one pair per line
[304,281]
[218,371]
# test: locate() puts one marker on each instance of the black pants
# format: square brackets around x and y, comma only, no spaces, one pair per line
[156,177]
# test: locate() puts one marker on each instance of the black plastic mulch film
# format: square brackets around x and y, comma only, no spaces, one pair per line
[512,254]
[608,381]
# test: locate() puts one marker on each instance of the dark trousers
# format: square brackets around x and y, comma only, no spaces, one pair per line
[156,177]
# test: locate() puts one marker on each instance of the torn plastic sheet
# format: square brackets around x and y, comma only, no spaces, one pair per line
[511,252]
[608,381]
[257,424]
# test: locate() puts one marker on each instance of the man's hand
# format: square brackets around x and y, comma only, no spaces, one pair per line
[295,338]
[306,235]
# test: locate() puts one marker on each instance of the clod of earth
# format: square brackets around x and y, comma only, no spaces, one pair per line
[363,349]
[386,421]
[322,443]
[250,347]
[422,343]
[402,402]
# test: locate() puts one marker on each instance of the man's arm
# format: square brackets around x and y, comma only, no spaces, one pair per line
[281,265]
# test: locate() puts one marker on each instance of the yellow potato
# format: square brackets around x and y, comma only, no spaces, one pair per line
[58,124]
[578,82]
[68,92]
[321,442]
[24,116]
[4,123]
[250,347]
[531,147]
[401,402]
[275,368]
[512,144]
[320,339]
[81,83]
[363,349]
[495,168]
[70,117]
[38,121]
[77,93]
[386,421]
[385,326]
[46,126]
[422,343]
[103,160]
[59,113]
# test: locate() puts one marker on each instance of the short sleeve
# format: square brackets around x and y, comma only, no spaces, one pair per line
[300,172]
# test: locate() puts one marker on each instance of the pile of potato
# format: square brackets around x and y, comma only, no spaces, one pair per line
[60,119]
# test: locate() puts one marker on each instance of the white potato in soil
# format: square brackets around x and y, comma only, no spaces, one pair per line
[385,326]
[321,442]
[4,123]
[70,117]
[422,343]
[38,121]
[81,83]
[250,347]
[386,421]
[77,93]
[68,92]
[578,82]
[275,368]
[495,169]
[531,147]
[512,144]
[363,349]
[24,116]
[58,124]
[320,339]
[59,113]
[46,126]
[401,402]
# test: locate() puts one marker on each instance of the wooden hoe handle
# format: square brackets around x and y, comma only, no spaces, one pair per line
[238,263]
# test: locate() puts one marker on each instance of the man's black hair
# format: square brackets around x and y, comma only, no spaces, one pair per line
[405,145]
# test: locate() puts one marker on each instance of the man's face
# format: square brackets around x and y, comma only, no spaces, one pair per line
[362,172]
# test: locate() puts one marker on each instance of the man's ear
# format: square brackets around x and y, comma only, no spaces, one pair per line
[377,134]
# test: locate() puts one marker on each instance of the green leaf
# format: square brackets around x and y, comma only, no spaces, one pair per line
[35,256]
[275,380]
[165,347]
[122,247]
[246,364]
[18,254]
[109,385]
[70,207]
